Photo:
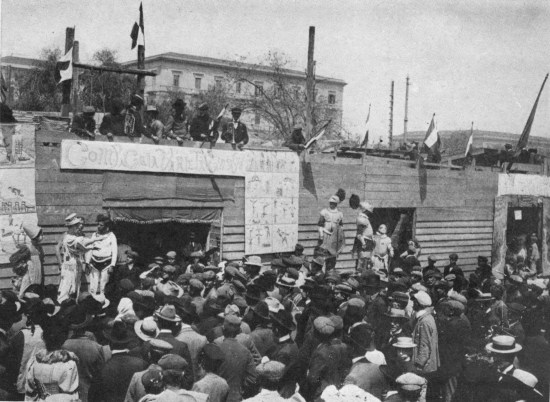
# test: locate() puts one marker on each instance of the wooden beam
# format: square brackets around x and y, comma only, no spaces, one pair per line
[74,81]
[115,69]
[66,85]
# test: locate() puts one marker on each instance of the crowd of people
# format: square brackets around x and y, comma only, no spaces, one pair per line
[192,327]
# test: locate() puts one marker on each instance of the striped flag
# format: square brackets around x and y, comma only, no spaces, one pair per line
[470,141]
[432,135]
[137,28]
[64,67]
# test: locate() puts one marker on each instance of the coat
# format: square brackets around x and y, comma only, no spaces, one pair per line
[367,376]
[326,367]
[238,369]
[426,353]
[194,341]
[241,133]
[115,377]
[264,340]
[181,349]
[453,336]
[214,386]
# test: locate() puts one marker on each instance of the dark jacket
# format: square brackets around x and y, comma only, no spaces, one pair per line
[367,376]
[201,125]
[181,349]
[112,124]
[240,133]
[238,368]
[115,377]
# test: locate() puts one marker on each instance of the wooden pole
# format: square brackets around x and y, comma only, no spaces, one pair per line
[10,88]
[406,110]
[391,115]
[66,85]
[74,81]
[310,83]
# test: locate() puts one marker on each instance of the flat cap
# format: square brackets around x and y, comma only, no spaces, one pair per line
[231,319]
[195,283]
[337,321]
[173,362]
[324,325]
[160,345]
[271,370]
[423,298]
[410,381]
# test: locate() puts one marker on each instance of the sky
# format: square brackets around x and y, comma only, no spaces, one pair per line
[471,60]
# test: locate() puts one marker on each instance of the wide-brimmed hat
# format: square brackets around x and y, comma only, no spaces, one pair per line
[170,288]
[261,310]
[286,282]
[118,334]
[78,317]
[32,231]
[284,319]
[167,313]
[72,220]
[146,329]
[254,260]
[404,342]
[527,379]
[230,309]
[52,308]
[503,344]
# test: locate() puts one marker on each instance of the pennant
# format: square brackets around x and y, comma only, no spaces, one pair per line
[470,141]
[64,67]
[522,143]
[365,141]
[315,138]
[137,27]
[432,135]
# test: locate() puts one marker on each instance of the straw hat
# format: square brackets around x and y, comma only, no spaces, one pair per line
[503,344]
[404,342]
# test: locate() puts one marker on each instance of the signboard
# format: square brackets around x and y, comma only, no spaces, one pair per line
[271,180]
[17,195]
[521,184]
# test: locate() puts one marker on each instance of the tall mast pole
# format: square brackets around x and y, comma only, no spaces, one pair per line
[391,115]
[406,110]
[310,83]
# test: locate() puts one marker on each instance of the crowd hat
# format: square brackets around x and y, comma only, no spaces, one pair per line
[273,304]
[78,318]
[527,379]
[365,206]
[423,298]
[410,382]
[118,334]
[404,342]
[159,260]
[254,260]
[151,108]
[32,231]
[453,256]
[432,258]
[293,261]
[72,220]
[395,313]
[167,313]
[236,109]
[334,199]
[503,344]
[286,282]
[283,318]
[253,293]
[173,362]
[232,320]
[52,308]
[319,260]
[324,325]
[196,284]
[203,106]
[179,103]
[271,370]
[517,308]
[230,309]
[146,329]
[170,288]
[196,254]
[277,263]
[151,378]
[261,310]
[213,352]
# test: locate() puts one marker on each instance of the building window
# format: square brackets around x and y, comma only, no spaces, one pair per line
[198,81]
[331,99]
[257,119]
[238,87]
[176,79]
[258,88]
[218,81]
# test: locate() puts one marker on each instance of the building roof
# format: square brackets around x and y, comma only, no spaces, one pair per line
[228,64]
[19,61]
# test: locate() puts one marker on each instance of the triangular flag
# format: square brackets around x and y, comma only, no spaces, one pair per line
[470,141]
[365,141]
[137,27]
[64,67]
[319,135]
[522,143]
[432,135]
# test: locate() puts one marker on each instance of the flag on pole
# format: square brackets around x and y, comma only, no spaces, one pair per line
[319,135]
[432,139]
[137,28]
[64,67]
[522,143]
[470,141]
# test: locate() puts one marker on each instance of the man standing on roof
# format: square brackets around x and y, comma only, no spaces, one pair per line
[176,126]
[363,244]
[102,258]
[203,127]
[331,237]
[235,132]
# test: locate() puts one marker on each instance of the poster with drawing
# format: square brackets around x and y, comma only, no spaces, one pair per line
[271,206]
[17,187]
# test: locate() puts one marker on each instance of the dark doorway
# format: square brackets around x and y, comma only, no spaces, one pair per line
[156,239]
[399,222]
[522,223]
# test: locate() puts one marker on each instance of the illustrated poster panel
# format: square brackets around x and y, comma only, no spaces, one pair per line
[17,187]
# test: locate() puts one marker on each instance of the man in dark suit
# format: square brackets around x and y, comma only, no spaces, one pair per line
[130,269]
[115,377]
[167,319]
[203,127]
[453,268]
[238,369]
[235,132]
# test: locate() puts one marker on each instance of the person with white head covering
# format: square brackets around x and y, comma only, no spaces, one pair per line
[331,237]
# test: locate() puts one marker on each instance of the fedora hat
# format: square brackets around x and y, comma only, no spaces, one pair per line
[170,288]
[261,310]
[146,329]
[404,342]
[527,379]
[118,334]
[52,308]
[78,317]
[284,319]
[167,313]
[503,344]
[254,260]
[230,309]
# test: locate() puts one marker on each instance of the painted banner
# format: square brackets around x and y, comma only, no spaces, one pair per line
[271,180]
[521,184]
[17,195]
